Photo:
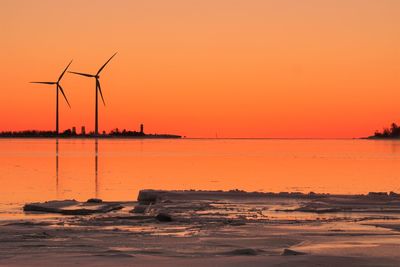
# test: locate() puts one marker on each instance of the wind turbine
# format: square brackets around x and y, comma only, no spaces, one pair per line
[58,88]
[98,89]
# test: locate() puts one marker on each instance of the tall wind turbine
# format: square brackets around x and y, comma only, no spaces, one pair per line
[58,88]
[98,89]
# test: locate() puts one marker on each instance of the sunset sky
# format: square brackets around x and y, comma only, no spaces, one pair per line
[249,68]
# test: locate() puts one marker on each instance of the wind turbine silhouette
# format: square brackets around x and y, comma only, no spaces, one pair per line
[98,89]
[58,88]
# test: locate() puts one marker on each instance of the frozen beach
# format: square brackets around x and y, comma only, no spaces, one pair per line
[216,228]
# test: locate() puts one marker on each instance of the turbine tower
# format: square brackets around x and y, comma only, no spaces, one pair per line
[98,89]
[58,88]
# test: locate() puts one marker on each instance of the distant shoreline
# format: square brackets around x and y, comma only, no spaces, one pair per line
[95,137]
[380,138]
[72,134]
[171,136]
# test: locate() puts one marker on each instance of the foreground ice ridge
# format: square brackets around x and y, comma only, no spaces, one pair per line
[222,228]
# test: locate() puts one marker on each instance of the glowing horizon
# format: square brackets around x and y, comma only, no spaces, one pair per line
[204,68]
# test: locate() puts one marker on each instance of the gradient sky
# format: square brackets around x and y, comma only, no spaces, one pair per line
[250,68]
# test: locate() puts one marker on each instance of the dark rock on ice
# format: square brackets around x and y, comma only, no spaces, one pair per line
[290,252]
[163,217]
[244,252]
[94,200]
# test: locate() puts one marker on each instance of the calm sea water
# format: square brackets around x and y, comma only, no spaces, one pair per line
[38,170]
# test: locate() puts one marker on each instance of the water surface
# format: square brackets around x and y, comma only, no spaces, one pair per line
[42,169]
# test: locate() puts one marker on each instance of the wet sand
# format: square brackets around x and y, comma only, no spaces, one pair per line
[213,228]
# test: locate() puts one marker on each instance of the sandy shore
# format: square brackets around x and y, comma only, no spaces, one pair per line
[213,228]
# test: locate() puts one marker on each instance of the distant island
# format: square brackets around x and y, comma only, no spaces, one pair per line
[388,133]
[71,133]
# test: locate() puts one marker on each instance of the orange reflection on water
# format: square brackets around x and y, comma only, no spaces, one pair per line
[30,170]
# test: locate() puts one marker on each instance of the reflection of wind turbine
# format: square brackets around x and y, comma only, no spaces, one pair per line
[58,88]
[57,168]
[98,89]
[96,166]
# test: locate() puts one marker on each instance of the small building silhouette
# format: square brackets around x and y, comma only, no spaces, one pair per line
[83,130]
[73,130]
[141,128]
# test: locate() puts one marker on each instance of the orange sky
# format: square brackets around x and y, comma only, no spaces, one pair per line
[253,68]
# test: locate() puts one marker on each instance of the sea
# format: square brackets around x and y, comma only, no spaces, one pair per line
[34,170]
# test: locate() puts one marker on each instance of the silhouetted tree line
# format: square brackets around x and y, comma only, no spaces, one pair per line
[28,133]
[124,132]
[34,133]
[69,133]
[392,132]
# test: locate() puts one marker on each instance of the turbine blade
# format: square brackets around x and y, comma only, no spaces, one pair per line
[62,74]
[102,67]
[83,74]
[101,94]
[45,82]
[65,97]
